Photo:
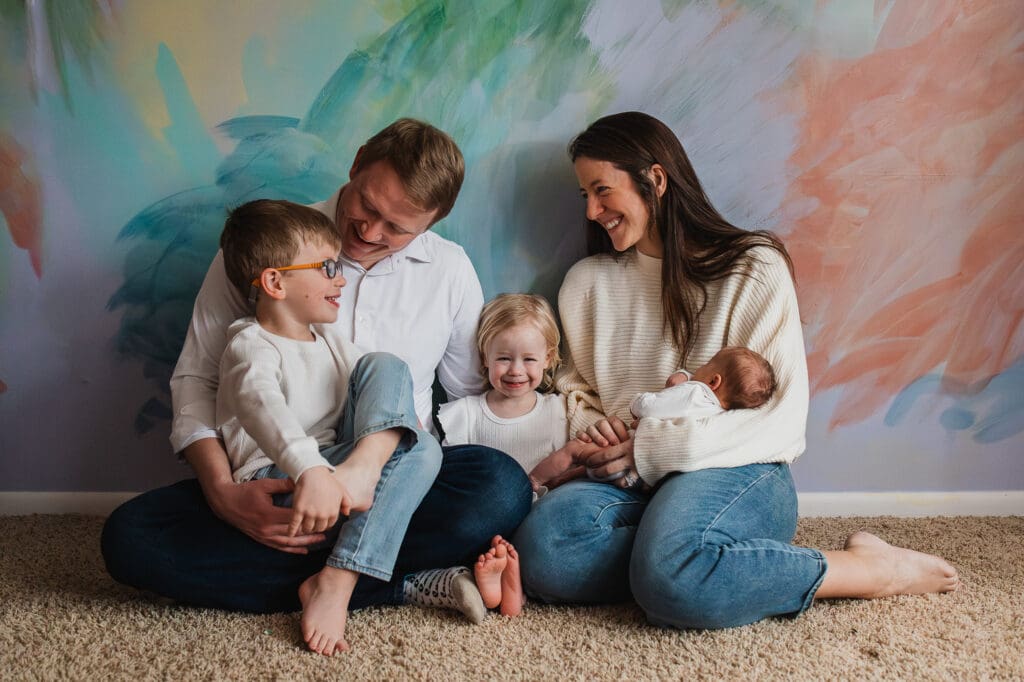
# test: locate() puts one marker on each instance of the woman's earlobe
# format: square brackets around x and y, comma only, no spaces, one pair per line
[659,178]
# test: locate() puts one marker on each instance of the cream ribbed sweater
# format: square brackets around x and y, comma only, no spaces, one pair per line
[615,348]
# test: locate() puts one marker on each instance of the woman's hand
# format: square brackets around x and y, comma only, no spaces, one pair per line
[607,432]
[612,460]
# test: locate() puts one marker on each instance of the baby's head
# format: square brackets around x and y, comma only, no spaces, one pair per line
[518,343]
[269,233]
[739,377]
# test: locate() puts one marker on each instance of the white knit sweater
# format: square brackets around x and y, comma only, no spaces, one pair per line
[616,348]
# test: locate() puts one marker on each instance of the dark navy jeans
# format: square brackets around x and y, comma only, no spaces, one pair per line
[168,541]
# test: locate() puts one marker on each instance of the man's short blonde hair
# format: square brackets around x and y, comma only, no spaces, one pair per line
[510,310]
[426,159]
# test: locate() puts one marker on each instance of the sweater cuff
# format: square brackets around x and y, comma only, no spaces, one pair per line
[301,455]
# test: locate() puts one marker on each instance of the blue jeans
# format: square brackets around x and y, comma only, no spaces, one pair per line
[709,549]
[380,397]
[169,541]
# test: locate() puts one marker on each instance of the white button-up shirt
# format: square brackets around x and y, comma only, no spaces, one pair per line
[422,304]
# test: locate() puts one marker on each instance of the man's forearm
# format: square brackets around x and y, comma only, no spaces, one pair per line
[210,462]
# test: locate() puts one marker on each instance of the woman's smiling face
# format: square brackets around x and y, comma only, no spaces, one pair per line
[614,202]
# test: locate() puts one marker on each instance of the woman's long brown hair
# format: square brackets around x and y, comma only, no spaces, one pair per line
[700,246]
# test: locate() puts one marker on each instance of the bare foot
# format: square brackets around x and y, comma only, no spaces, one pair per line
[868,567]
[359,479]
[487,571]
[324,598]
[512,597]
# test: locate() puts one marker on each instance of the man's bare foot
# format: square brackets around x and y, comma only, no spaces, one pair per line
[907,571]
[512,597]
[324,598]
[487,570]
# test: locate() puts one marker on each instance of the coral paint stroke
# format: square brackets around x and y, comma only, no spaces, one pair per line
[20,201]
[924,133]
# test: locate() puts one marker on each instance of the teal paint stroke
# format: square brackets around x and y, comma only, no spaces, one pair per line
[186,134]
[990,412]
[476,70]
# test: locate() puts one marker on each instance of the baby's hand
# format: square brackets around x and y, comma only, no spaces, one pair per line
[675,380]
[318,499]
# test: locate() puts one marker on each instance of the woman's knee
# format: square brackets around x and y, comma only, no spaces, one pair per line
[574,545]
[691,588]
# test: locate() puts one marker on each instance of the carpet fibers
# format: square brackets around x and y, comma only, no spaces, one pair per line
[62,617]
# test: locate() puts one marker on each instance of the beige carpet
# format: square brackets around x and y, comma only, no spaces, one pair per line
[61,617]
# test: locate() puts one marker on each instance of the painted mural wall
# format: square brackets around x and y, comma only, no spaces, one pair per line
[883,140]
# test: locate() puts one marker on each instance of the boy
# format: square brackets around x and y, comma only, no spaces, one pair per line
[301,402]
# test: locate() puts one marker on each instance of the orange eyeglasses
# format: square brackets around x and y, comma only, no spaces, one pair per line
[330,268]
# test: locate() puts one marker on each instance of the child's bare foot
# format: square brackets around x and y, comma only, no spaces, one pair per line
[512,597]
[488,571]
[359,478]
[324,598]
[901,570]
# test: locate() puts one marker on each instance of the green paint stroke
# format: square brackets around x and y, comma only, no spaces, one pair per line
[476,67]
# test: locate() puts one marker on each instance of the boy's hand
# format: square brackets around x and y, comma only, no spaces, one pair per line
[319,497]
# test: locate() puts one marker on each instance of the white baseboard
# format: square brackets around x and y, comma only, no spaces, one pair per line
[914,504]
[967,503]
[93,504]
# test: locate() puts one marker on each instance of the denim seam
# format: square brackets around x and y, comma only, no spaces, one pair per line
[823,569]
[597,521]
[356,567]
[710,526]
[384,426]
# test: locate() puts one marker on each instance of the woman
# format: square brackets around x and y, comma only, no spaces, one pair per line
[698,529]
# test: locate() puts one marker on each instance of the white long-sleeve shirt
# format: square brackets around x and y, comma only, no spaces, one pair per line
[688,399]
[280,399]
[616,347]
[421,304]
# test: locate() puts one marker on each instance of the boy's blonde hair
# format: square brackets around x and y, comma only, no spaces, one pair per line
[510,310]
[268,233]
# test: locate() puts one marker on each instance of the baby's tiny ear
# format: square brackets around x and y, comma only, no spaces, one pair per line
[715,382]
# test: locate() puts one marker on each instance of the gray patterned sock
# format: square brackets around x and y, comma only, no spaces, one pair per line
[446,588]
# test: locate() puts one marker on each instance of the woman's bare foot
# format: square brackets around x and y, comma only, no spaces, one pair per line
[324,598]
[869,567]
[512,597]
[488,570]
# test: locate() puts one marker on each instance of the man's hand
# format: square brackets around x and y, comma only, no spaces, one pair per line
[250,508]
[319,497]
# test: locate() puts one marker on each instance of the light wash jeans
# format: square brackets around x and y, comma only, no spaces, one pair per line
[709,549]
[380,397]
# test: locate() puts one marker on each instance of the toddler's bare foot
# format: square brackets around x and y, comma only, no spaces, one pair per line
[324,598]
[901,570]
[487,571]
[512,597]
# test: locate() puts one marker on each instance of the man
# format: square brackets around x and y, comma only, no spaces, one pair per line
[214,542]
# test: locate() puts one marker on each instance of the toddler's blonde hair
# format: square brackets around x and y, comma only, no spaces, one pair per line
[509,310]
